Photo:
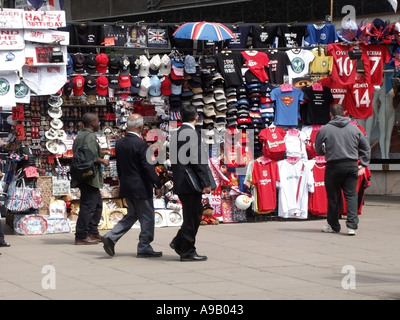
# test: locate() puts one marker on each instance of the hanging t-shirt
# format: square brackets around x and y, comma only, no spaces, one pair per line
[377,54]
[241,35]
[265,175]
[45,80]
[257,61]
[359,101]
[229,64]
[295,183]
[300,60]
[344,69]
[85,34]
[277,66]
[295,141]
[338,90]
[320,34]
[322,63]
[273,142]
[22,92]
[287,106]
[8,79]
[292,36]
[316,108]
[263,36]
[311,133]
[317,200]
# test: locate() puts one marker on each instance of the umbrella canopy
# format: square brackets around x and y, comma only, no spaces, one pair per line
[203,31]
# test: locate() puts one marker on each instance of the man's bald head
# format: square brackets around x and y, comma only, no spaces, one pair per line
[135,122]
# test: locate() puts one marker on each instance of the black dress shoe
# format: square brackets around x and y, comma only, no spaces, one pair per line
[154,254]
[193,257]
[173,246]
[108,245]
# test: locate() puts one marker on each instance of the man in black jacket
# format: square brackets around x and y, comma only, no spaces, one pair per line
[186,151]
[138,179]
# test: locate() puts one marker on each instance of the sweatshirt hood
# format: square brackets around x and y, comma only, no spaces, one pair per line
[340,121]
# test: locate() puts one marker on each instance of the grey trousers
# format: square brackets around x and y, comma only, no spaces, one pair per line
[142,210]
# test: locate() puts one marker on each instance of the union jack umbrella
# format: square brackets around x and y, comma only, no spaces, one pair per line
[203,31]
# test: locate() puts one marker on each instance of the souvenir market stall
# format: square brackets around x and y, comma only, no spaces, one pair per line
[262,94]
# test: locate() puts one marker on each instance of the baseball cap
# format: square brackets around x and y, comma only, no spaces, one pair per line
[208,99]
[79,85]
[124,65]
[165,66]
[155,63]
[135,84]
[70,64]
[134,65]
[113,64]
[190,64]
[176,89]
[165,86]
[144,66]
[144,86]
[113,82]
[102,85]
[91,63]
[90,85]
[79,62]
[209,110]
[155,86]
[124,80]
[176,73]
[102,63]
[250,77]
[68,87]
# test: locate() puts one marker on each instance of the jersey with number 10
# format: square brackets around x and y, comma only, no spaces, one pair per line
[344,69]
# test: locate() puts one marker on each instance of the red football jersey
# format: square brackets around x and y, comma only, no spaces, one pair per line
[338,90]
[344,69]
[317,201]
[273,142]
[264,177]
[359,101]
[377,55]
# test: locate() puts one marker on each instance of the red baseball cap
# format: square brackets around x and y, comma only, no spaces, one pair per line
[102,63]
[102,85]
[166,86]
[124,81]
[79,85]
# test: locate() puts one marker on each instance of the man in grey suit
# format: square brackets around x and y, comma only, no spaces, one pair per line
[138,179]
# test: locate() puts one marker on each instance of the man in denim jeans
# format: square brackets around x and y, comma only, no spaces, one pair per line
[343,144]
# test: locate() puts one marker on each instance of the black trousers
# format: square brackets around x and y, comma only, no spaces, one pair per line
[185,239]
[91,207]
[1,233]
[342,177]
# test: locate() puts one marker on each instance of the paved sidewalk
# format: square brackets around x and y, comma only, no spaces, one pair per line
[272,260]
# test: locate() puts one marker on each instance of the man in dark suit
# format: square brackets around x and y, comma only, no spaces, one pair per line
[137,179]
[186,151]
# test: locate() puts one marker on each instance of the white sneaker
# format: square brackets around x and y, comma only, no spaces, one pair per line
[351,232]
[327,229]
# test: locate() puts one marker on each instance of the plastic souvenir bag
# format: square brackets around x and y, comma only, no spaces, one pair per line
[19,197]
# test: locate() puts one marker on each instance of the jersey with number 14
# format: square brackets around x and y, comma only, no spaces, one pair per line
[359,101]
